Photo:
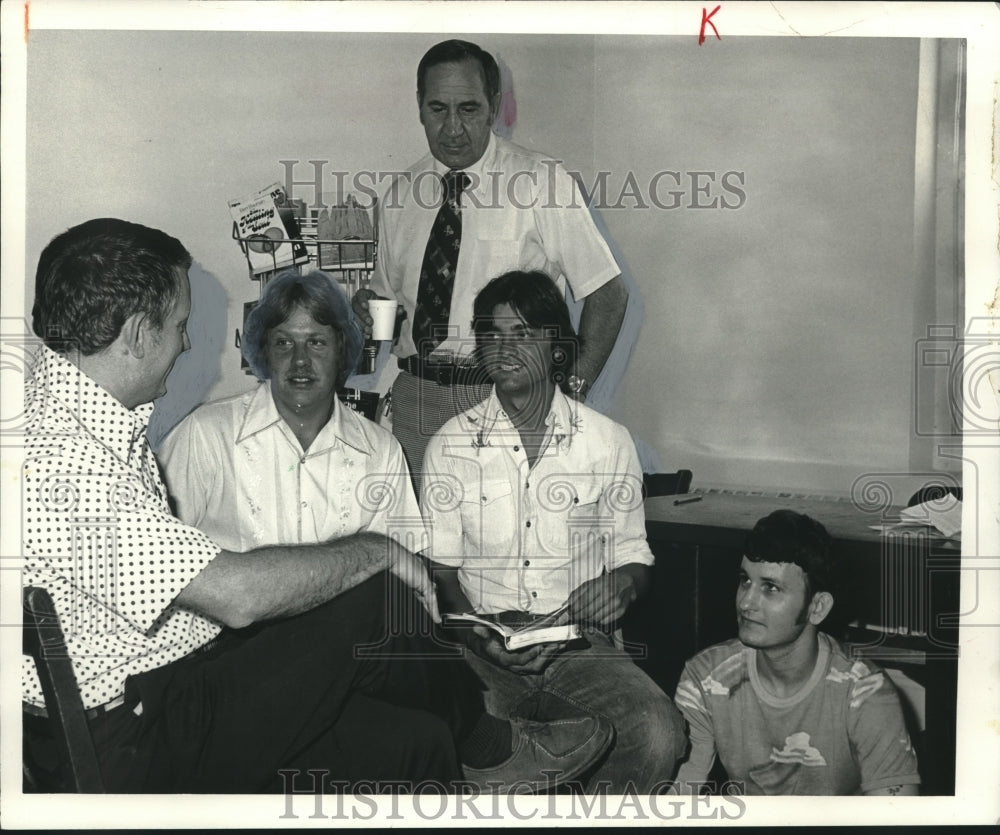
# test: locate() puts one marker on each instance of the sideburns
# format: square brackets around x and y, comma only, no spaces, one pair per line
[803,616]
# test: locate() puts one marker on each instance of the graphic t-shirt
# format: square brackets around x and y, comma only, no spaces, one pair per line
[842,733]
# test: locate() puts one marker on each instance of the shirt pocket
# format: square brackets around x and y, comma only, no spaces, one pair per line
[498,244]
[587,492]
[495,224]
[584,528]
[563,496]
[489,509]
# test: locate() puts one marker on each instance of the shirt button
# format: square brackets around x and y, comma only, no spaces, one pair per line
[517,448]
[305,504]
[534,594]
[527,562]
[528,523]
[527,484]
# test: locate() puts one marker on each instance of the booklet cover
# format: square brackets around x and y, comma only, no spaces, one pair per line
[268,230]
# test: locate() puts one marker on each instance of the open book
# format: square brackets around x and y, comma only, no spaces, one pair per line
[548,629]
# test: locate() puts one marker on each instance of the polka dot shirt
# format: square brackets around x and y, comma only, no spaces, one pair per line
[98,534]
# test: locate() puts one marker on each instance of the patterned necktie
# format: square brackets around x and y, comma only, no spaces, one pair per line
[437,274]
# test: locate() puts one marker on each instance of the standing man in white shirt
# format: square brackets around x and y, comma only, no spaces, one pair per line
[477,206]
[534,502]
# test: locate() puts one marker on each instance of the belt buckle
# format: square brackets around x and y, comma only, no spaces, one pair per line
[444,375]
[439,369]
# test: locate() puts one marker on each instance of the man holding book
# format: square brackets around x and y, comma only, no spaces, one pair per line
[534,504]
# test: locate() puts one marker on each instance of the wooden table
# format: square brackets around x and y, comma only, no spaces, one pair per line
[904,588]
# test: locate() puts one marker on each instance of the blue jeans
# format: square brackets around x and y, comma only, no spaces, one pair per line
[602,680]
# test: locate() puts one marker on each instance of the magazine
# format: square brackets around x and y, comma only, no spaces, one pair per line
[549,629]
[267,230]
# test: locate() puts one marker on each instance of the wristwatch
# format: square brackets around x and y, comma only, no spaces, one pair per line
[577,385]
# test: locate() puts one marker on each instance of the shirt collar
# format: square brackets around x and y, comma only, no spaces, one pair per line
[562,421]
[119,429]
[261,414]
[477,171]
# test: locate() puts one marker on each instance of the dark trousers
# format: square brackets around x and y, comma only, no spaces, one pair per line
[353,687]
[420,408]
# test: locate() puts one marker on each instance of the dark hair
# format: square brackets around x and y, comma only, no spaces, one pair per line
[787,536]
[94,276]
[454,52]
[534,296]
[319,294]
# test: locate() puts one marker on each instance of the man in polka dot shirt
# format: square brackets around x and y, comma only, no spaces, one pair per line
[202,669]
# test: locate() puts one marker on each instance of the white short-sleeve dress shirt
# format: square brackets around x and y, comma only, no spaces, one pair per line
[522,210]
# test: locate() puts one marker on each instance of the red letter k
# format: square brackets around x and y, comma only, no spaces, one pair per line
[707,18]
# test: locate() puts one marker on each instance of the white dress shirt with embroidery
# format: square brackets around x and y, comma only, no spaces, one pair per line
[237,472]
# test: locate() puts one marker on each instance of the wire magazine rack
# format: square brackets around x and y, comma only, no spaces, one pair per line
[349,261]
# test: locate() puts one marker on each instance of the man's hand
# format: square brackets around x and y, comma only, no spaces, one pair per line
[360,305]
[603,600]
[530,660]
[483,641]
[412,570]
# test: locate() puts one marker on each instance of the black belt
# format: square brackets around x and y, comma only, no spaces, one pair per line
[91,713]
[444,373]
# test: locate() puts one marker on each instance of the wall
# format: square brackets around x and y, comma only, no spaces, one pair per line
[777,349]
[777,341]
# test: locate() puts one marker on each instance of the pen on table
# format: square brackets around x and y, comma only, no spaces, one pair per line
[688,500]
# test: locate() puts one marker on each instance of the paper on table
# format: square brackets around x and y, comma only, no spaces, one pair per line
[944,515]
